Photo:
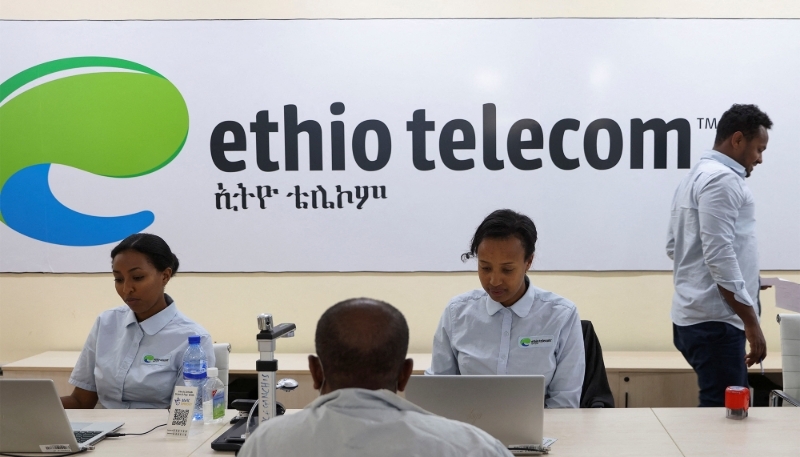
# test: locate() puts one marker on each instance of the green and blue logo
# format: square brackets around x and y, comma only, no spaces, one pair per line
[536,341]
[148,359]
[114,118]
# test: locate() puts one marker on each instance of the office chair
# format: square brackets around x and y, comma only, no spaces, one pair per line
[790,355]
[222,354]
[596,392]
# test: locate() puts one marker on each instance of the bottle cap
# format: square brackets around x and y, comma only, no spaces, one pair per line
[213,372]
[194,339]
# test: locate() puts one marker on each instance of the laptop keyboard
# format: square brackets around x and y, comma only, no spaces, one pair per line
[83,436]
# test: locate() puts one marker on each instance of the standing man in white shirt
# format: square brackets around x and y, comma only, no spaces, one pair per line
[360,365]
[712,242]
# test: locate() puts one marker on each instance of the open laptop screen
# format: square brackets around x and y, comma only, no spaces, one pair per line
[508,407]
[33,420]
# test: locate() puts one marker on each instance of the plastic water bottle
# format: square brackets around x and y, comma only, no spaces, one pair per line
[195,367]
[213,398]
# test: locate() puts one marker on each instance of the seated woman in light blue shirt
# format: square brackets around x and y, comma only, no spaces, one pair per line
[133,357]
[510,326]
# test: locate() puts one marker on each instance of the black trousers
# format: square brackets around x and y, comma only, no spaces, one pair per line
[716,351]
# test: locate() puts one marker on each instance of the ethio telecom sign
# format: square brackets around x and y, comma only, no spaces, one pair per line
[115,118]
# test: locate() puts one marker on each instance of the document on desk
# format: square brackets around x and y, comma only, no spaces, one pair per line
[533,449]
[787,293]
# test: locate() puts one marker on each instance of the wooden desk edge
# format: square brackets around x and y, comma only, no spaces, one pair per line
[615,362]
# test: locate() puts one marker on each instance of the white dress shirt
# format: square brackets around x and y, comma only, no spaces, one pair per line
[134,364]
[539,334]
[712,241]
[360,422]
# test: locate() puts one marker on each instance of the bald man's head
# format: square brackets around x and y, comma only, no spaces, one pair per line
[362,342]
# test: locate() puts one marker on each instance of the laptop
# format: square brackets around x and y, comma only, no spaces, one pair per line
[508,407]
[33,420]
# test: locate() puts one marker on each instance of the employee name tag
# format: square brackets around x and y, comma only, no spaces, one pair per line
[155,360]
[543,341]
[181,411]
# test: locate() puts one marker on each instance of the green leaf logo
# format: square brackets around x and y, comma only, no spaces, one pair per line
[116,118]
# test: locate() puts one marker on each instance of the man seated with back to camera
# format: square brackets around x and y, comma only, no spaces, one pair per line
[360,365]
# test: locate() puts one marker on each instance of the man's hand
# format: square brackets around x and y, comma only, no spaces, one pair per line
[758,345]
[752,329]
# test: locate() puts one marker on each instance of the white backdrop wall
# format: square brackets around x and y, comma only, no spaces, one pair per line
[484,86]
[630,310]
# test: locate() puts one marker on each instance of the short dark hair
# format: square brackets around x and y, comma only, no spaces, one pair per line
[153,247]
[502,224]
[747,119]
[361,341]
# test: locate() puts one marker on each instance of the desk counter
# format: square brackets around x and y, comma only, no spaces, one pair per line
[633,432]
[155,443]
[657,432]
[707,432]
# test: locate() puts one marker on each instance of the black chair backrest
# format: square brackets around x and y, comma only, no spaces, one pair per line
[596,392]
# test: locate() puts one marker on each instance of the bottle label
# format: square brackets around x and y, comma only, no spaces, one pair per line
[219,403]
[208,410]
[195,375]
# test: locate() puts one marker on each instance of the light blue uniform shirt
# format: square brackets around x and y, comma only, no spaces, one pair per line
[360,422]
[539,334]
[137,364]
[712,241]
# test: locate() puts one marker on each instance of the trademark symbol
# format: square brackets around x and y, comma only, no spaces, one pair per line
[707,123]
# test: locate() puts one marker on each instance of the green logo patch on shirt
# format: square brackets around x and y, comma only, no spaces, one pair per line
[153,360]
[536,341]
